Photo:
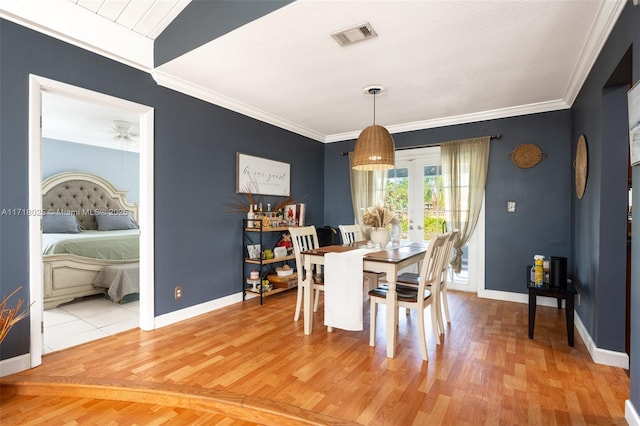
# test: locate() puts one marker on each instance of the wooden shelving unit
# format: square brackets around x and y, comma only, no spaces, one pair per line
[258,235]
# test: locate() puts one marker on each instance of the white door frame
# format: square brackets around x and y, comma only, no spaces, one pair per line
[37,85]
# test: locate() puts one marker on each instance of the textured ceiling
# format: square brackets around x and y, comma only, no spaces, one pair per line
[442,62]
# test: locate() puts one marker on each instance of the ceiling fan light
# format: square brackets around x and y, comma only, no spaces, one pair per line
[122,130]
[374,150]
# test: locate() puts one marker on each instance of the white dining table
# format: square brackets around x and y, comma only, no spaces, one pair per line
[389,261]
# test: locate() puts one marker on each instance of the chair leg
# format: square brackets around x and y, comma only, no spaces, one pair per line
[422,334]
[315,305]
[435,322]
[445,303]
[296,317]
[373,307]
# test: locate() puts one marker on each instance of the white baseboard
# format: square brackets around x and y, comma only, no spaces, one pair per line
[194,311]
[630,414]
[15,364]
[508,296]
[599,356]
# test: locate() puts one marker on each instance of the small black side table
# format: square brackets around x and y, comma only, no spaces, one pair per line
[567,294]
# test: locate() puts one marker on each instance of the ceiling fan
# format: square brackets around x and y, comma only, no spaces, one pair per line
[124,131]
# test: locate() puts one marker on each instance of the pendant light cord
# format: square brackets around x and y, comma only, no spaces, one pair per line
[374,106]
[374,92]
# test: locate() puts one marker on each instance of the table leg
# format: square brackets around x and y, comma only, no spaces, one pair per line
[307,302]
[532,312]
[392,313]
[569,313]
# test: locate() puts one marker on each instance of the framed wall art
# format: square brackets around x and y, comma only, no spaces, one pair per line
[255,175]
[634,124]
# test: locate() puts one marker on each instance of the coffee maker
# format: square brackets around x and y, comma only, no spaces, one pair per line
[558,272]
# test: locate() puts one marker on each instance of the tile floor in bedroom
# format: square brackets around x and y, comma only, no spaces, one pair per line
[88,319]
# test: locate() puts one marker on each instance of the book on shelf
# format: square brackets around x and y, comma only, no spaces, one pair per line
[300,211]
[290,214]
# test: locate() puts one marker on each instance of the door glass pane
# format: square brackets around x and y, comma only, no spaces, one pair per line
[433,201]
[397,196]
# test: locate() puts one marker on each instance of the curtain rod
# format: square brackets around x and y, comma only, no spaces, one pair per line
[496,136]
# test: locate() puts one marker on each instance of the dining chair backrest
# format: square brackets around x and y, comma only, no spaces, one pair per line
[303,238]
[434,259]
[350,233]
[453,236]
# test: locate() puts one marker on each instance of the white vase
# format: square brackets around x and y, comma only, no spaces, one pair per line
[380,236]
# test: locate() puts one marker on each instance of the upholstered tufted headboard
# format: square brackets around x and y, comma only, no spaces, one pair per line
[82,194]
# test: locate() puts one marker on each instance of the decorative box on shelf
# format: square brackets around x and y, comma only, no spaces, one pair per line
[288,281]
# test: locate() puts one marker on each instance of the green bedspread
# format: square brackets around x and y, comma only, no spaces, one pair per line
[106,245]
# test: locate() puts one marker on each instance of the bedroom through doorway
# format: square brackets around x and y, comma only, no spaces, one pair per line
[91,261]
[87,148]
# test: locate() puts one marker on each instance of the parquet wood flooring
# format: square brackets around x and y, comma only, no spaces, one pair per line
[251,364]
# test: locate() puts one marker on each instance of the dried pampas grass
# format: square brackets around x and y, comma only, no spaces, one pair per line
[379,217]
[10,316]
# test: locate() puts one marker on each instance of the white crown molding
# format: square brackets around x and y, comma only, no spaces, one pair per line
[65,21]
[182,86]
[602,27]
[555,105]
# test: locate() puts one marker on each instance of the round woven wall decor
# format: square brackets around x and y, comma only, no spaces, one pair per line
[581,164]
[526,155]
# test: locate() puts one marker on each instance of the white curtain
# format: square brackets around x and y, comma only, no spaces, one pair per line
[367,189]
[464,174]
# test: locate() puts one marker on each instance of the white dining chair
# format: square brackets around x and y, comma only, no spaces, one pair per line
[416,298]
[351,234]
[411,279]
[305,238]
[445,274]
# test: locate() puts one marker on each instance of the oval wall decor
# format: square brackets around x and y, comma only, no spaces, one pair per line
[581,166]
[526,155]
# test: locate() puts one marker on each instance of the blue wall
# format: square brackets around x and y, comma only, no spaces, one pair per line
[121,168]
[541,224]
[196,241]
[598,233]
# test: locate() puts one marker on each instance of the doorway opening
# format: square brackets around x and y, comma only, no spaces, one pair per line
[38,86]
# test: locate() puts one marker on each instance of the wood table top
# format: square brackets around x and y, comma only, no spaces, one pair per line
[388,255]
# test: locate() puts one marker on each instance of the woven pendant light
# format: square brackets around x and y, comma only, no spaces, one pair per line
[375,149]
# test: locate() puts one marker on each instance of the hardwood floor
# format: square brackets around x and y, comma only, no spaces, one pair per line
[250,364]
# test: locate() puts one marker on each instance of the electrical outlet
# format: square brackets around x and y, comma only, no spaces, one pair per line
[178,293]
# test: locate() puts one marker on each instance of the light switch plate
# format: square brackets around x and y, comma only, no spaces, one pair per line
[511,206]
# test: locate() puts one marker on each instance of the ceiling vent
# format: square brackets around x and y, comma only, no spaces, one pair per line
[355,34]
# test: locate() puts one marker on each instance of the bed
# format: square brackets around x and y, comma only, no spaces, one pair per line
[87,225]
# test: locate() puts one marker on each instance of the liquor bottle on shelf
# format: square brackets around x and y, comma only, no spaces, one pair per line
[250,216]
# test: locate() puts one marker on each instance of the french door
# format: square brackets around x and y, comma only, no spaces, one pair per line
[414,191]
